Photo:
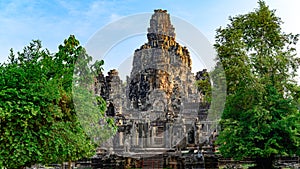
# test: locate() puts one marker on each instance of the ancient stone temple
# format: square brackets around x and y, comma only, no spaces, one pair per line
[158,110]
[161,77]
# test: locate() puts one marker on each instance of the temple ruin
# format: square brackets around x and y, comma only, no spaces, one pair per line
[158,110]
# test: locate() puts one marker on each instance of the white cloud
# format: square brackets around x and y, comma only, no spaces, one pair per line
[53,21]
[114,17]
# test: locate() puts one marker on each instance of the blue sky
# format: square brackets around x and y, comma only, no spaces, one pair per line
[53,21]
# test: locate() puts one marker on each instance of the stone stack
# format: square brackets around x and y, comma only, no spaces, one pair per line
[161,77]
[160,102]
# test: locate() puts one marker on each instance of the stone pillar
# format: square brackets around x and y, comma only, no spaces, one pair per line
[121,139]
[133,134]
[141,135]
[167,136]
[153,134]
[137,136]
[198,128]
[148,136]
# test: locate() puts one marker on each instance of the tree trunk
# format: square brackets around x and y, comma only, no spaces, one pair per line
[69,164]
[264,163]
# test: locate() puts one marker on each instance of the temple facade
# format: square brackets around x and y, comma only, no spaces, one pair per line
[158,109]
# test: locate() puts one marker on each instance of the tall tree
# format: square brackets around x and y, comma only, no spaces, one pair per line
[75,139]
[38,117]
[28,108]
[261,118]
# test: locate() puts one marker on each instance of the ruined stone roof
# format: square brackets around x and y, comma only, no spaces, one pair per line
[160,23]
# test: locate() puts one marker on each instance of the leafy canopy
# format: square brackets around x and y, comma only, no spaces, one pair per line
[261,117]
[38,119]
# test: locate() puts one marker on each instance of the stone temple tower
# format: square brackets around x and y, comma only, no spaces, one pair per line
[159,106]
[161,78]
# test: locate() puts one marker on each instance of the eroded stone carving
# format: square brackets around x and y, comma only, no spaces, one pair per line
[159,103]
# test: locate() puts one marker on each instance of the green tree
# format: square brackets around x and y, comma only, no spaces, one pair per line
[79,104]
[28,109]
[90,109]
[203,85]
[261,118]
[75,139]
[38,117]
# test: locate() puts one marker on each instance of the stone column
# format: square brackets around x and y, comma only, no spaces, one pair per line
[132,134]
[198,128]
[167,136]
[121,138]
[141,135]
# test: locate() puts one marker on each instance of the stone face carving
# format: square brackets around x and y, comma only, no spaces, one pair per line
[161,64]
[160,100]
[112,91]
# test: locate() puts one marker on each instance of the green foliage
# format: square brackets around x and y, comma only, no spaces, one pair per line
[204,87]
[214,93]
[97,67]
[27,111]
[262,129]
[261,118]
[217,94]
[90,109]
[38,119]
[98,127]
